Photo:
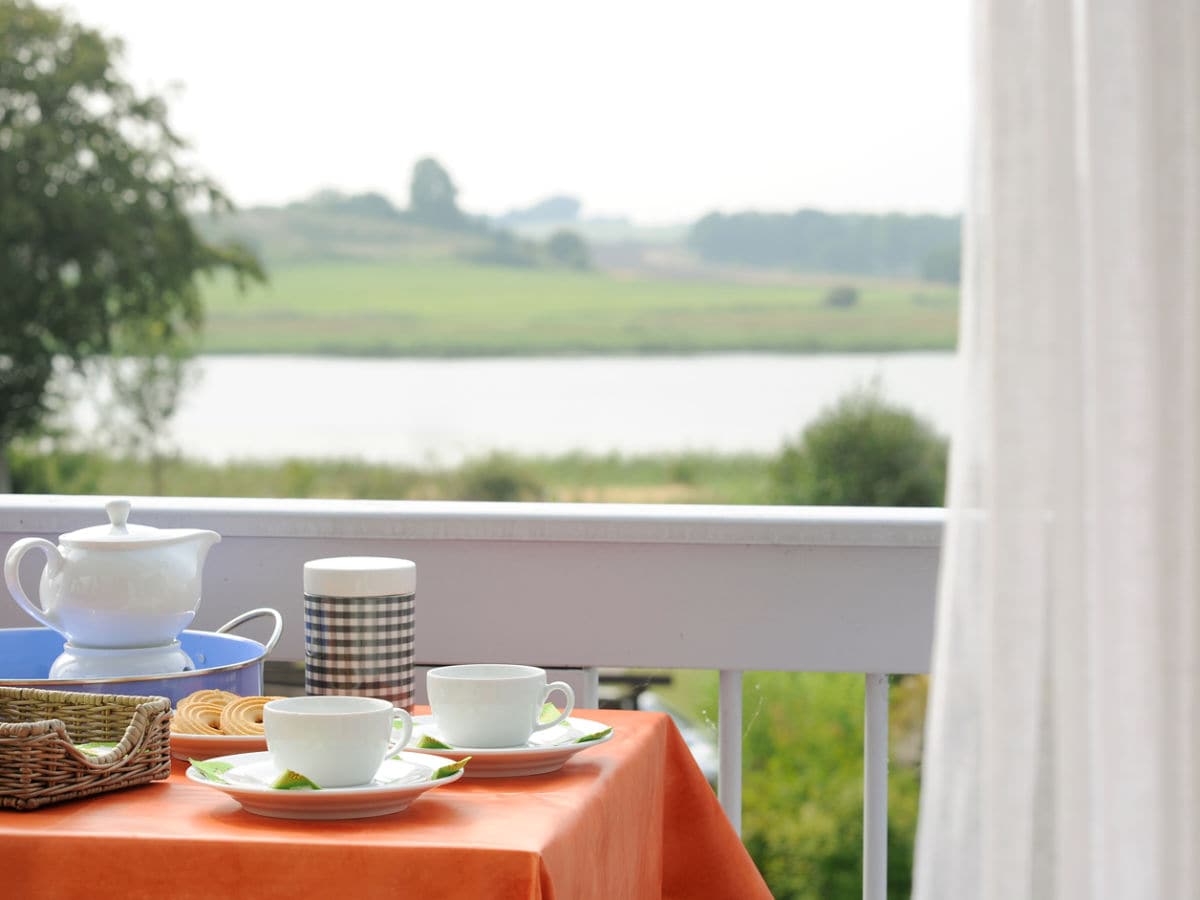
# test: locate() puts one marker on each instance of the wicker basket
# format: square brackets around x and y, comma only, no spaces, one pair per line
[40,764]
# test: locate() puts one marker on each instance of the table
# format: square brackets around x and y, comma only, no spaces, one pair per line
[630,818]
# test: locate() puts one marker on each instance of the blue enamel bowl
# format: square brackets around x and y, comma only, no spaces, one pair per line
[223,661]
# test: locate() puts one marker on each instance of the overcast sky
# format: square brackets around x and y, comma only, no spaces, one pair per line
[658,110]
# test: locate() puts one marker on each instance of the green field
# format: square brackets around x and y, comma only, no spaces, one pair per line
[443,308]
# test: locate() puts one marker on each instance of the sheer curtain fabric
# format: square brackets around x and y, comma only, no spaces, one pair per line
[1063,736]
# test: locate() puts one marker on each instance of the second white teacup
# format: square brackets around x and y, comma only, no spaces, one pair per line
[492,705]
[334,741]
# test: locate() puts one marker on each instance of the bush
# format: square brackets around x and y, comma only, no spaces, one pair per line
[497,477]
[54,472]
[863,452]
[566,248]
[505,249]
[843,296]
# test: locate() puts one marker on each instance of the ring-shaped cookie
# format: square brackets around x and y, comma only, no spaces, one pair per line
[244,715]
[210,695]
[197,718]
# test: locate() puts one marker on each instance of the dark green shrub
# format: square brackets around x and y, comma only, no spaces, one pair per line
[842,296]
[497,477]
[298,477]
[863,452]
[54,472]
[505,249]
[567,248]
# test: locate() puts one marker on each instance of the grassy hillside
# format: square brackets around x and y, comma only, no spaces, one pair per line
[441,307]
[302,232]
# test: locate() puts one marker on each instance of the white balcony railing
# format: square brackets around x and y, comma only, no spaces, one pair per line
[732,588]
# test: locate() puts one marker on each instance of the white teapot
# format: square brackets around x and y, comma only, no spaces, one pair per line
[116,586]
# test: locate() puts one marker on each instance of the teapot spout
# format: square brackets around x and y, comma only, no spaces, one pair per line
[198,541]
[206,539]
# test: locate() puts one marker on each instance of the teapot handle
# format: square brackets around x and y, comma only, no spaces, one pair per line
[12,562]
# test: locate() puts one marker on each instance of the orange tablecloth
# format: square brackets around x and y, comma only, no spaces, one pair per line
[631,818]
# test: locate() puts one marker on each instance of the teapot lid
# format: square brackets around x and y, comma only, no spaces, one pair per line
[118,531]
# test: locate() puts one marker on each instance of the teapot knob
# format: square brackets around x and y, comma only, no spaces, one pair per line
[118,513]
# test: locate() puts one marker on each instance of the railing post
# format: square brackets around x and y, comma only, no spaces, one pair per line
[875,788]
[729,726]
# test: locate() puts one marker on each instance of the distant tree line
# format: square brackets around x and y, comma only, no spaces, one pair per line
[550,211]
[433,203]
[810,240]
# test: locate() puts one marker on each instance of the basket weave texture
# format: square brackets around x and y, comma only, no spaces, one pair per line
[40,764]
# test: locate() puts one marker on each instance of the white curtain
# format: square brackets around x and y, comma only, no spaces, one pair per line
[1063,736]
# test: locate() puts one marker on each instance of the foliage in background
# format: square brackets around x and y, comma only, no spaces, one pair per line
[498,477]
[554,210]
[863,452]
[567,248]
[38,468]
[841,296]
[148,371]
[814,241]
[95,210]
[944,265]
[803,787]
[802,777]
[576,477]
[433,198]
[368,205]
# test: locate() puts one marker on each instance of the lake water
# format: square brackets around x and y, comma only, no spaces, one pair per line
[439,411]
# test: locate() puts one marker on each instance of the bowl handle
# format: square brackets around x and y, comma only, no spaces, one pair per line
[254,614]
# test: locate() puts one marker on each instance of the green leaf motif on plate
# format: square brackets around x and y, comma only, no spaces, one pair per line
[594,737]
[447,771]
[211,769]
[294,781]
[431,743]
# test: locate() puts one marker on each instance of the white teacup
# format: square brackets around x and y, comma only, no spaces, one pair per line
[491,705]
[334,741]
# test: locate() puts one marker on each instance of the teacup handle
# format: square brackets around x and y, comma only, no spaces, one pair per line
[406,733]
[12,562]
[570,707]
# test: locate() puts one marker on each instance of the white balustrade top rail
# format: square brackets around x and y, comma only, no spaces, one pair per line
[712,587]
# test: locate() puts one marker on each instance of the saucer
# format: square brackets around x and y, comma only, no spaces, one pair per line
[207,746]
[399,781]
[546,751]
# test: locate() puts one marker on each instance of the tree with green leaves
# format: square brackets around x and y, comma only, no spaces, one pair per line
[568,248]
[148,373]
[433,197]
[863,451]
[96,209]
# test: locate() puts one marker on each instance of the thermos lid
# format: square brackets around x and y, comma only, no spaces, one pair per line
[360,576]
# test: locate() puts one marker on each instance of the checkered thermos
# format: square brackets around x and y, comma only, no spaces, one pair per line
[358,627]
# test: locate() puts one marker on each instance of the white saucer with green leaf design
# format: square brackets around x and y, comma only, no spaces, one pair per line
[546,751]
[258,784]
